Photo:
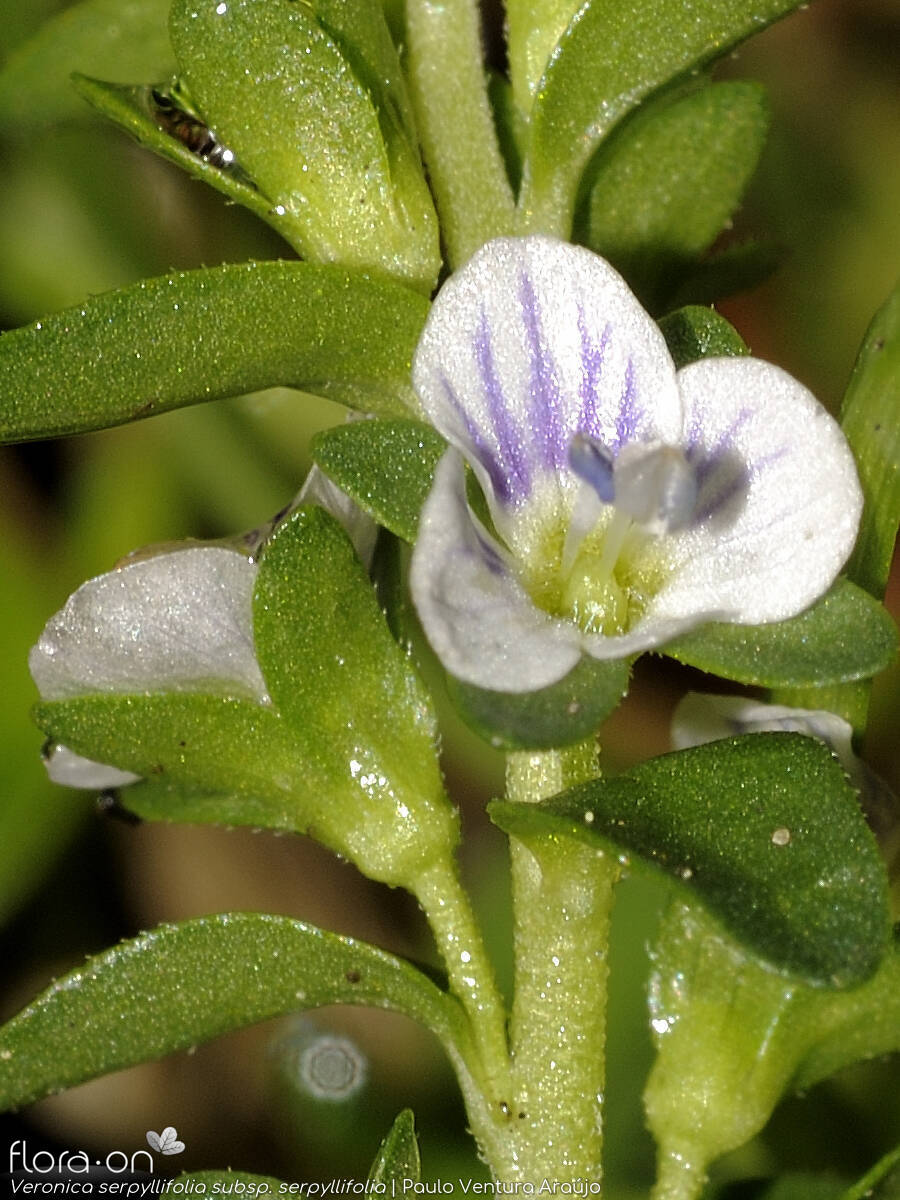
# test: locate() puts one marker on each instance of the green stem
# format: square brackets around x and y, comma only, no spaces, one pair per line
[562,897]
[449,913]
[456,124]
[678,1178]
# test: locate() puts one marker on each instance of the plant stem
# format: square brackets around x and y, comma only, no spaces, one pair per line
[678,1178]
[562,897]
[449,913]
[456,124]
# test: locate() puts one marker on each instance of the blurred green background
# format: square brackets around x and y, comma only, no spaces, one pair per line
[85,210]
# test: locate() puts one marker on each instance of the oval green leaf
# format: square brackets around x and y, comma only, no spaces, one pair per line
[695,332]
[869,420]
[202,335]
[559,715]
[122,40]
[182,984]
[847,635]
[351,699]
[666,184]
[765,830]
[311,99]
[609,59]
[206,759]
[132,109]
[398,1158]
[387,467]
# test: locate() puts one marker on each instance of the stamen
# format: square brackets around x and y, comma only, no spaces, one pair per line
[656,486]
[592,462]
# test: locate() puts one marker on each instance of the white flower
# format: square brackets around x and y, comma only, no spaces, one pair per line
[630,501]
[172,622]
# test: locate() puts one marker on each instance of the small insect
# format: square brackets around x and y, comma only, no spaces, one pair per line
[188,129]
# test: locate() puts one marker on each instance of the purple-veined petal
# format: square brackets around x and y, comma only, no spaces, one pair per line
[69,769]
[779,498]
[481,623]
[174,622]
[531,342]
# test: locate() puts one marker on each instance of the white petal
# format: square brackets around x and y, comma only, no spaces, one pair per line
[66,767]
[175,622]
[701,718]
[531,342]
[481,623]
[779,499]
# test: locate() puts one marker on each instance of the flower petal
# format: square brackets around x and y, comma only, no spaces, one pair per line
[66,767]
[481,623]
[533,341]
[702,717]
[779,498]
[175,622]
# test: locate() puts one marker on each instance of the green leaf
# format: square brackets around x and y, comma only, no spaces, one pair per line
[121,40]
[559,715]
[133,109]
[201,335]
[352,699]
[387,467]
[846,635]
[667,183]
[208,759]
[764,829]
[311,99]
[869,420]
[609,59]
[694,332]
[182,984]
[398,1159]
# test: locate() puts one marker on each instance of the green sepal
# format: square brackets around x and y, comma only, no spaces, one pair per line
[398,1158]
[869,421]
[149,348]
[351,699]
[559,715]
[846,635]
[179,985]
[121,40]
[667,183]
[695,332]
[387,467]
[764,830]
[610,58]
[132,109]
[311,99]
